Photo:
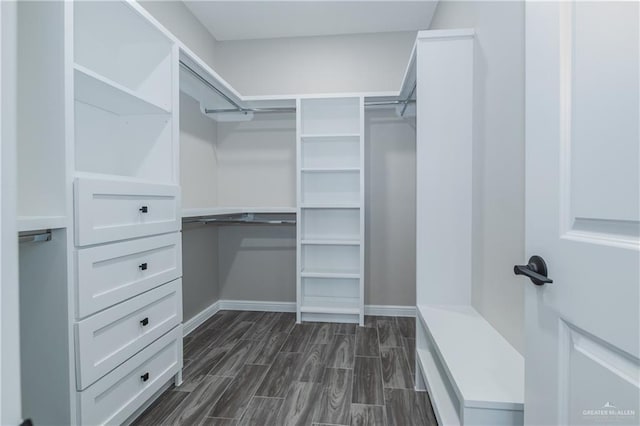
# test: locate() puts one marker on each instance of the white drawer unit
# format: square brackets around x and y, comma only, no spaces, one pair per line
[108,338]
[115,397]
[112,210]
[108,274]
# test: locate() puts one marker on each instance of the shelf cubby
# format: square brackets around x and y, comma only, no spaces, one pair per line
[330,224]
[329,116]
[136,56]
[331,152]
[331,187]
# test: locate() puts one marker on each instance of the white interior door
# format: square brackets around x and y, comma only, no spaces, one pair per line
[583,214]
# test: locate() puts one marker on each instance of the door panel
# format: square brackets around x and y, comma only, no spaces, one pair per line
[583,213]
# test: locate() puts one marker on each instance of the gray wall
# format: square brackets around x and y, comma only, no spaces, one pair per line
[179,20]
[390,209]
[498,157]
[200,286]
[346,63]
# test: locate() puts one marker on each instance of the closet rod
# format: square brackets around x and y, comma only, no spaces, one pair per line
[209,85]
[34,236]
[406,101]
[243,221]
[240,109]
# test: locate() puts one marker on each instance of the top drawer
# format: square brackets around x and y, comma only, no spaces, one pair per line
[107,210]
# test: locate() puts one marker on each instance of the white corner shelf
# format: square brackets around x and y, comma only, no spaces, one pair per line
[221,211]
[35,223]
[94,89]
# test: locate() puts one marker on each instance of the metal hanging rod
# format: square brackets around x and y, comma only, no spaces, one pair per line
[239,109]
[34,236]
[245,218]
[209,85]
[406,101]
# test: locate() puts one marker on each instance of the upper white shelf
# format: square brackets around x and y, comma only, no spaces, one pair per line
[221,211]
[94,89]
[495,377]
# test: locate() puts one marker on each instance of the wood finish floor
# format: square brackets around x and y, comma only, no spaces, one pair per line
[261,368]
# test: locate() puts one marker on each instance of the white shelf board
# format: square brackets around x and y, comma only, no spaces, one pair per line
[330,206]
[445,409]
[329,310]
[221,211]
[35,223]
[117,178]
[494,378]
[94,89]
[330,135]
[317,242]
[329,273]
[329,169]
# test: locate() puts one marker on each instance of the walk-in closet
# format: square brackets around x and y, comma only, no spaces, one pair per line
[314,213]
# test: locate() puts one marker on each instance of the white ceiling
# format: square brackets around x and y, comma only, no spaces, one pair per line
[243,20]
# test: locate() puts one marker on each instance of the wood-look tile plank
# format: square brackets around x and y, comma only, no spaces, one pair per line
[261,412]
[235,358]
[284,322]
[405,408]
[280,375]
[367,342]
[161,408]
[267,349]
[236,331]
[367,415]
[322,333]
[367,381]
[425,402]
[299,405]
[196,345]
[395,370]
[226,319]
[299,337]
[409,346]
[341,351]
[217,421]
[370,321]
[198,368]
[406,327]
[312,364]
[261,329]
[251,316]
[335,400]
[388,333]
[235,399]
[193,409]
[345,328]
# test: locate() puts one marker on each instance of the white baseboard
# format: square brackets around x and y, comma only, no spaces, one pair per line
[256,305]
[200,318]
[390,310]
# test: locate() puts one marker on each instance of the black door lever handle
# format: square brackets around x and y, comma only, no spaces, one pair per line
[536,270]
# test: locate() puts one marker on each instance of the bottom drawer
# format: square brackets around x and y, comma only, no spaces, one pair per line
[115,397]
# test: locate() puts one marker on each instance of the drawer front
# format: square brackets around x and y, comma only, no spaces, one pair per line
[108,338]
[115,397]
[111,273]
[108,210]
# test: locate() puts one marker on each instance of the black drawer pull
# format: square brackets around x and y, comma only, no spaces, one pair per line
[144,209]
[143,266]
[144,322]
[145,377]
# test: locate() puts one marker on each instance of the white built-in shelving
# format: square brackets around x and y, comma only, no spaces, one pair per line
[330,176]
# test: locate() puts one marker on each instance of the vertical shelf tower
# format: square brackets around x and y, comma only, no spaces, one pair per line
[330,193]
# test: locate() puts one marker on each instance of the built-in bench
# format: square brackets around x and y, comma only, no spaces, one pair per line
[473,375]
